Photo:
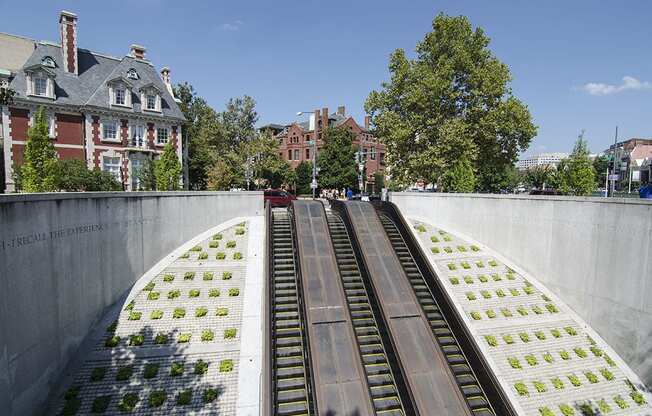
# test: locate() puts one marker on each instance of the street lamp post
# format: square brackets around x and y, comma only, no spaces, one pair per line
[313,184]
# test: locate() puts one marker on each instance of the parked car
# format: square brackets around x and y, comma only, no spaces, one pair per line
[279,198]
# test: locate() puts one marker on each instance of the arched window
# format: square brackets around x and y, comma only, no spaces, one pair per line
[132,74]
[48,61]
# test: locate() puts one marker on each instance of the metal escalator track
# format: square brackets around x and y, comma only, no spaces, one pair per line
[455,357]
[290,375]
[372,347]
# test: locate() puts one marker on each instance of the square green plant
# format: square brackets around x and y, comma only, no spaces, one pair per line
[168,278]
[124,373]
[545,411]
[173,294]
[227,276]
[552,308]
[468,280]
[151,370]
[208,276]
[591,377]
[185,255]
[575,381]
[434,239]
[491,340]
[524,336]
[448,250]
[531,359]
[566,410]
[98,373]
[157,398]
[580,352]
[201,367]
[184,397]
[637,397]
[570,330]
[470,296]
[136,340]
[100,404]
[208,335]
[506,312]
[217,236]
[604,406]
[149,286]
[213,293]
[188,275]
[237,256]
[608,375]
[536,309]
[111,328]
[465,265]
[196,248]
[185,337]
[508,339]
[514,291]
[213,244]
[596,351]
[176,369]
[555,333]
[475,248]
[193,293]
[609,361]
[539,386]
[128,402]
[222,312]
[230,333]
[620,402]
[452,266]
[548,357]
[476,315]
[230,244]
[209,395]
[454,280]
[522,311]
[514,363]
[493,263]
[500,293]
[239,231]
[485,294]
[226,366]
[483,279]
[200,312]
[161,338]
[557,383]
[234,291]
[461,249]
[134,316]
[479,264]
[564,355]
[490,313]
[220,255]
[112,342]
[447,238]
[154,295]
[178,313]
[521,389]
[528,290]
[202,256]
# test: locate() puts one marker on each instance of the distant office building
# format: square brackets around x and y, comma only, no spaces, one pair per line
[542,159]
[295,139]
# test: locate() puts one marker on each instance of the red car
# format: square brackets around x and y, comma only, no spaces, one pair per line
[279,198]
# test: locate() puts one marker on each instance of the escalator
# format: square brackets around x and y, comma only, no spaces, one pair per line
[290,375]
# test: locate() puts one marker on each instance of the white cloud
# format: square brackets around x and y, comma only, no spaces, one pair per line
[232,26]
[629,83]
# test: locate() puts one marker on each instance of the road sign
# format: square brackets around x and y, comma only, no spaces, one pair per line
[313,184]
[614,177]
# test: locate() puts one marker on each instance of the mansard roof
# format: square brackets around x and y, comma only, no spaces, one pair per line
[90,87]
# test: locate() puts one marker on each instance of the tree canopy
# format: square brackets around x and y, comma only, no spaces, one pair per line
[167,169]
[576,173]
[38,173]
[336,160]
[450,107]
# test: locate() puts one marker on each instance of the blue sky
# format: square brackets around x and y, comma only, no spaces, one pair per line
[569,59]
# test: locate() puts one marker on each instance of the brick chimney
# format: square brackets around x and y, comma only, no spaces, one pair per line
[68,32]
[341,110]
[138,51]
[324,118]
[367,122]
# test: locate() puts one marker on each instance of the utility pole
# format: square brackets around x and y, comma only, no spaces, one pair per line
[613,172]
[313,184]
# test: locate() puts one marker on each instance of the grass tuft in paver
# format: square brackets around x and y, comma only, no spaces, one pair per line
[420,228]
[100,404]
[545,411]
[213,293]
[157,398]
[465,265]
[522,311]
[508,339]
[112,341]
[475,248]
[230,333]
[208,276]
[483,279]
[128,402]
[98,374]
[448,250]
[548,358]
[564,355]
[552,308]
[176,369]
[490,313]
[491,340]
[196,248]
[237,256]
[476,315]
[566,410]
[434,250]
[200,312]
[555,333]
[493,263]
[528,290]
[468,280]
[151,370]
[591,377]
[111,328]
[638,398]
[173,294]
[217,236]
[201,367]
[178,313]
[454,280]
[207,335]
[609,361]
[227,276]
[608,375]
[531,359]
[149,286]
[130,306]
[452,266]
[580,352]
[213,244]
[124,373]
[620,402]
[136,340]
[239,231]
[485,294]
[514,363]
[193,293]
[188,275]
[536,309]
[161,338]
[514,291]
[226,366]
[575,381]
[539,386]
[185,337]
[557,383]
[168,278]
[604,406]
[209,395]
[461,249]
[220,255]
[540,335]
[506,312]
[524,336]
[570,330]
[434,239]
[222,312]
[202,256]
[184,397]
[479,264]
[521,389]
[234,291]
[134,316]
[470,296]
[230,244]
[185,255]
[156,314]
[154,295]
[596,351]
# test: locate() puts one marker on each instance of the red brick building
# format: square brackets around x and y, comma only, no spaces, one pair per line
[295,139]
[111,112]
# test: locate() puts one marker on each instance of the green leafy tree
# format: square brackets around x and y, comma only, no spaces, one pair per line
[147,176]
[103,181]
[539,176]
[304,177]
[600,164]
[39,169]
[269,168]
[379,181]
[336,160]
[577,175]
[72,175]
[459,178]
[239,121]
[226,172]
[451,103]
[168,169]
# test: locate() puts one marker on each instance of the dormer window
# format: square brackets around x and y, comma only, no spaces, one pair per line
[48,61]
[132,74]
[151,102]
[119,94]
[41,86]
[150,97]
[40,81]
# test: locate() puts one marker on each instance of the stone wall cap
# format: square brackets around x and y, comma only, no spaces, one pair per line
[592,199]
[60,196]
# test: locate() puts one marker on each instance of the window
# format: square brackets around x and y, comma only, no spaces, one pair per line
[307,154]
[111,165]
[48,61]
[132,74]
[136,166]
[296,154]
[40,86]
[289,154]
[51,126]
[119,94]
[138,136]
[161,135]
[151,102]
[382,158]
[372,154]
[110,130]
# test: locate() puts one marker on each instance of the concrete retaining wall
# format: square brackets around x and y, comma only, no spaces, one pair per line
[596,254]
[65,258]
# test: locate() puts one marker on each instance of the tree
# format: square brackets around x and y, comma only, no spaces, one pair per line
[6,95]
[39,169]
[72,175]
[304,177]
[538,177]
[226,172]
[147,175]
[379,181]
[577,175]
[600,164]
[239,121]
[269,168]
[336,160]
[452,103]
[459,178]
[168,169]
[102,181]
